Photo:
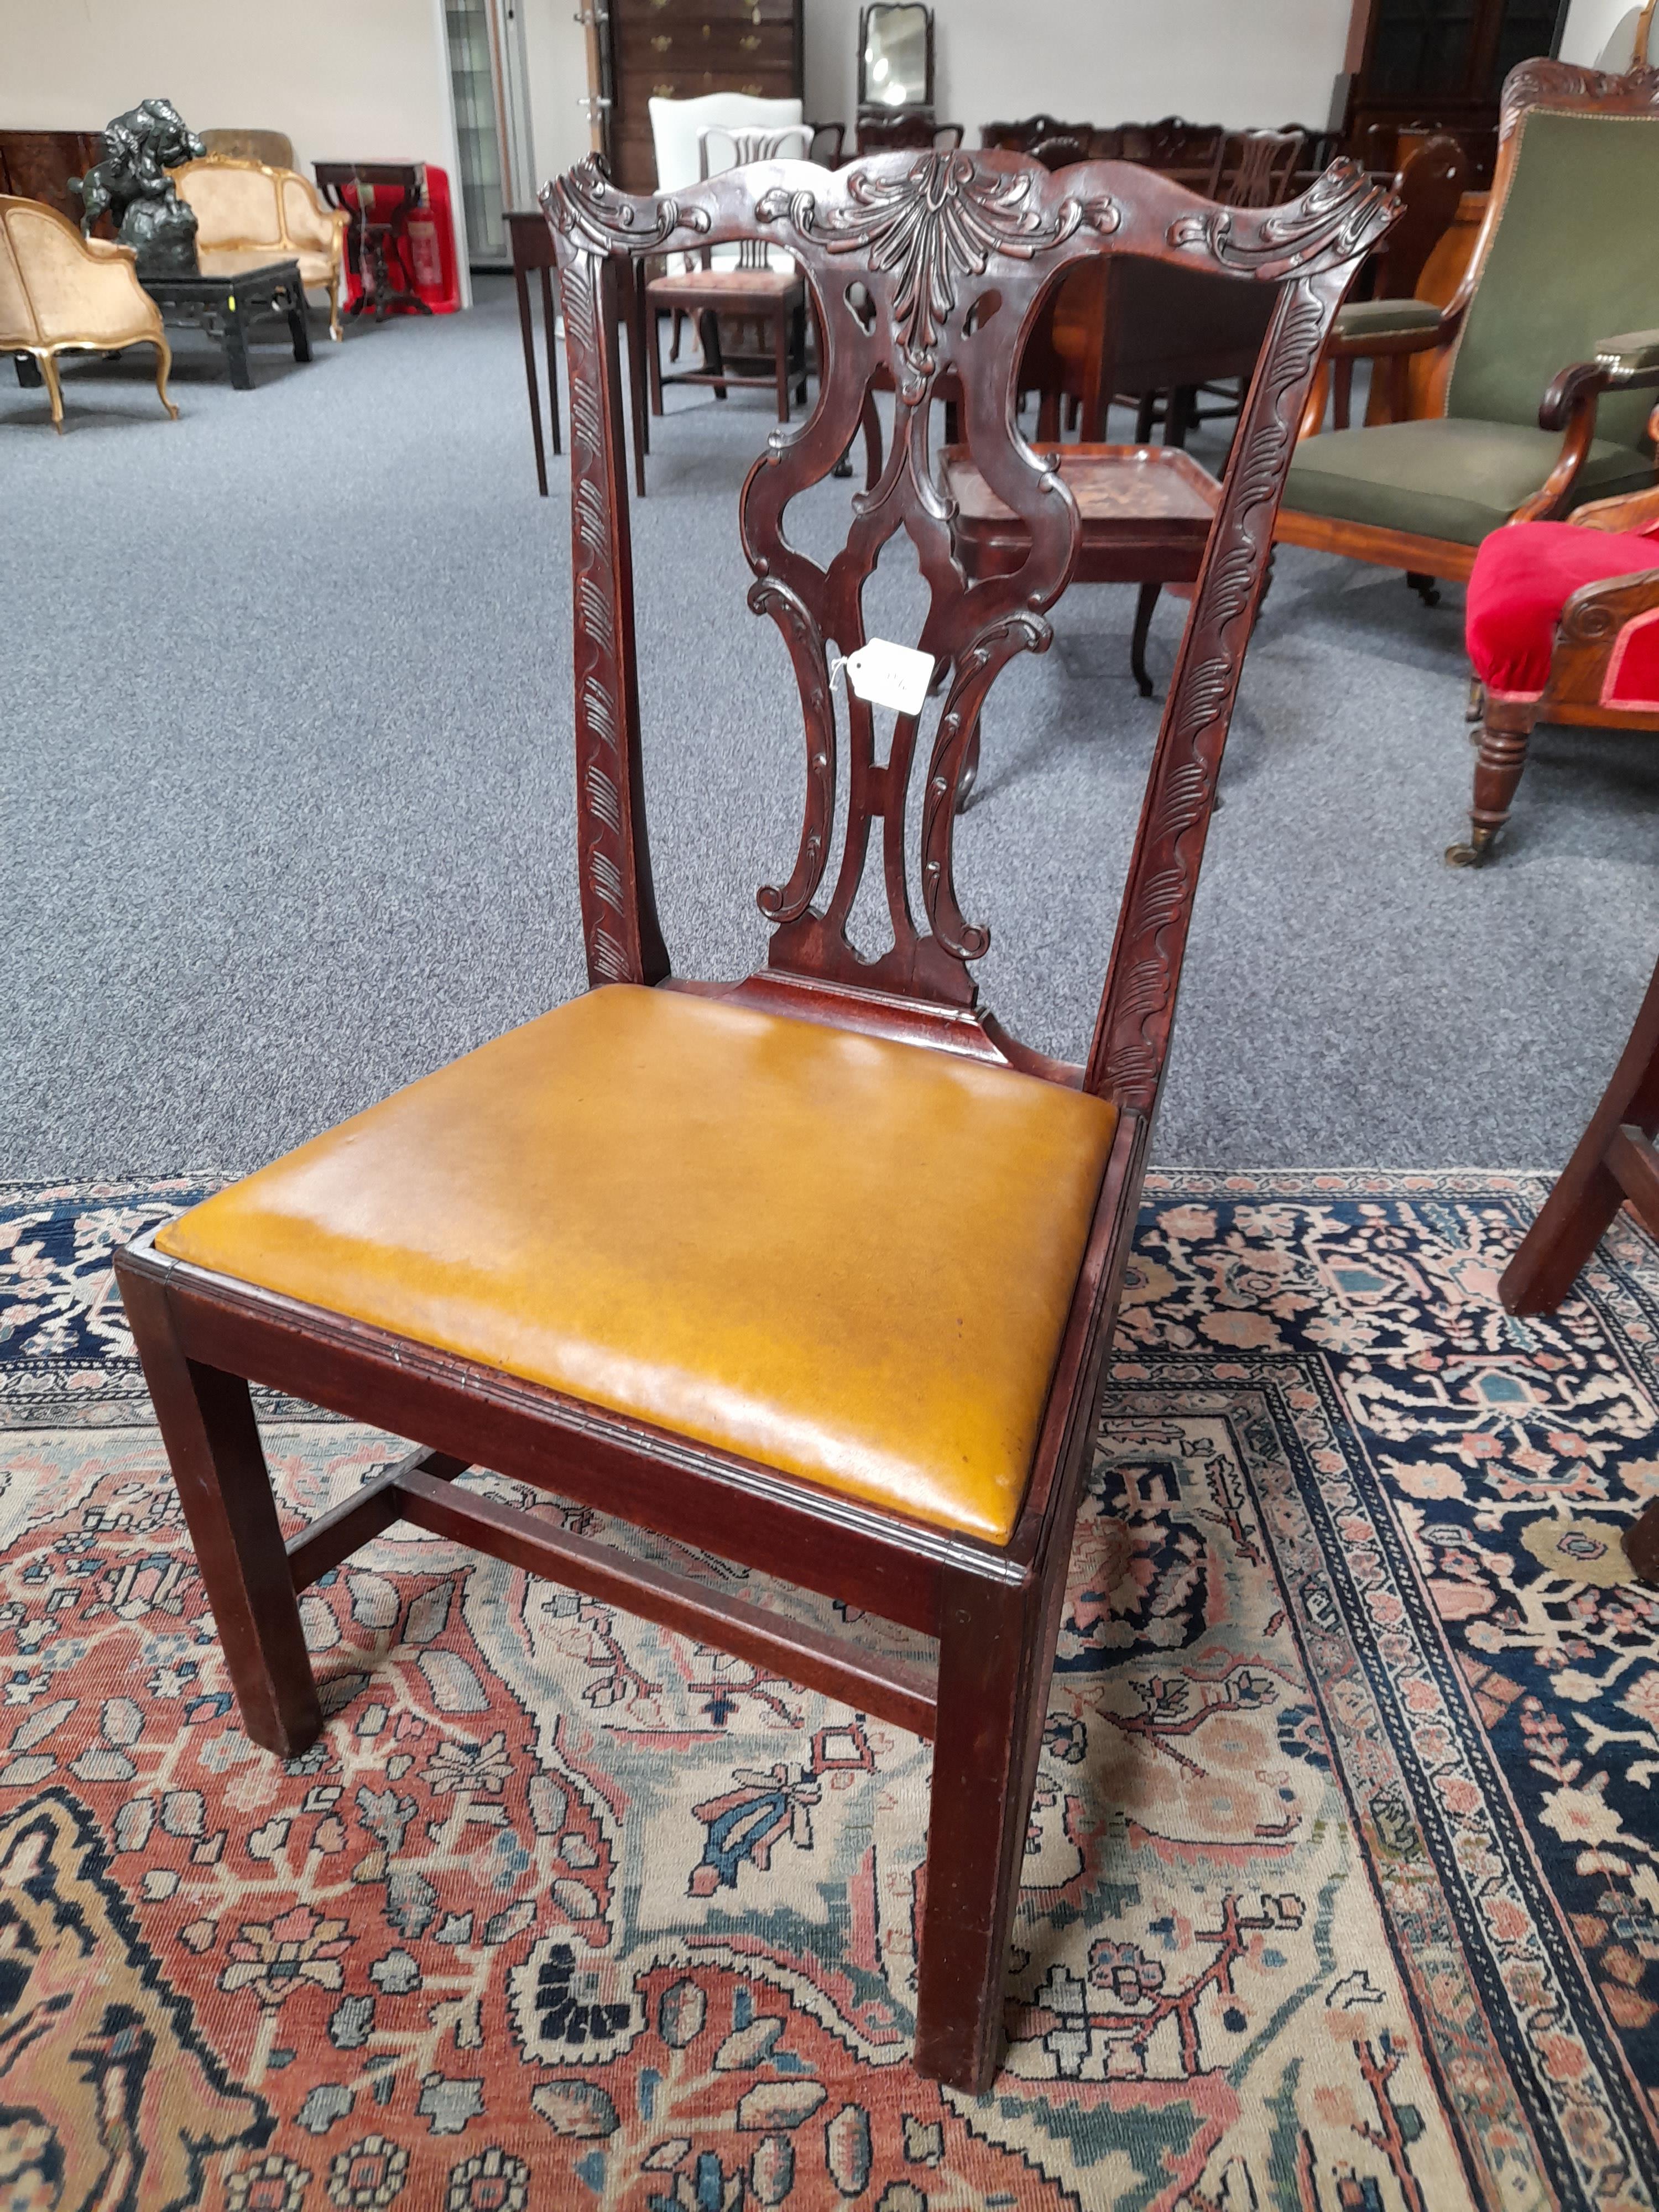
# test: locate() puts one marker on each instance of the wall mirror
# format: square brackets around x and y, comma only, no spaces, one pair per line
[896,54]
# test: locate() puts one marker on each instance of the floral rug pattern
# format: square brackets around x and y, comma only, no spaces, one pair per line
[1342,1883]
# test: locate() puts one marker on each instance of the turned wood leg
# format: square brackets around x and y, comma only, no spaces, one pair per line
[1587,1194]
[780,362]
[212,1443]
[1498,766]
[1048,423]
[1144,416]
[521,286]
[1341,394]
[991,1707]
[1146,600]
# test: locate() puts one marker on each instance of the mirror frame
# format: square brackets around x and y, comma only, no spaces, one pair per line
[892,8]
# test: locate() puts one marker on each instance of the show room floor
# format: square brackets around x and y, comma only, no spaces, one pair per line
[286,697]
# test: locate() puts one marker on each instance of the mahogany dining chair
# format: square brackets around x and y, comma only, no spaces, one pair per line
[816,1269]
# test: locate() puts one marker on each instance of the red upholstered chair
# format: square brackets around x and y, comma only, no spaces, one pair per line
[817,1269]
[1562,625]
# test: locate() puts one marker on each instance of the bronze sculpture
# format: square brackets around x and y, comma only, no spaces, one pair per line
[133,181]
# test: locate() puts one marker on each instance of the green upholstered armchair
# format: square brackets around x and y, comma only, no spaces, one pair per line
[1525,423]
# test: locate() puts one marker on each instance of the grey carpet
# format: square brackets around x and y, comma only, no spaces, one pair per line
[285,698]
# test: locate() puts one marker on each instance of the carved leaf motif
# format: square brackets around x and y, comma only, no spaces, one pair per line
[940,222]
[1325,225]
[585,207]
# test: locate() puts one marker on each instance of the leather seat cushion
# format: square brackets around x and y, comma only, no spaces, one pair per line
[1445,477]
[1524,576]
[847,1259]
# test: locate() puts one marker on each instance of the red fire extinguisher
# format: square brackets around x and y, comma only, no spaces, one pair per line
[431,236]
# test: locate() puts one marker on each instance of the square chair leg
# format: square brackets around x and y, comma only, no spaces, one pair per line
[213,1445]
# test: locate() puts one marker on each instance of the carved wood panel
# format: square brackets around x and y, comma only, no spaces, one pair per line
[928,271]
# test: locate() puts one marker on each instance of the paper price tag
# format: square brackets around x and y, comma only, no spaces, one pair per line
[887,675]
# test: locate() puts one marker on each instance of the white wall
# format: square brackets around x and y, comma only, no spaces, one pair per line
[1093,61]
[1590,24]
[1104,61]
[348,80]
[556,53]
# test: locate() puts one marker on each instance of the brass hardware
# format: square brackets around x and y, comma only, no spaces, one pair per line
[661,45]
[748,44]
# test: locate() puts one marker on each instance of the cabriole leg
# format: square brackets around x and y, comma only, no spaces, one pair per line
[213,1447]
[991,1707]
[54,390]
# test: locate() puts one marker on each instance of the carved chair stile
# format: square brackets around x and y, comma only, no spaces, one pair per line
[952,252]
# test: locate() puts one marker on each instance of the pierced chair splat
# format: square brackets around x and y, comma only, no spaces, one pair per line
[817,1269]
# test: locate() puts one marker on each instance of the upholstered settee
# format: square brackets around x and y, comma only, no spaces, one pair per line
[61,293]
[250,214]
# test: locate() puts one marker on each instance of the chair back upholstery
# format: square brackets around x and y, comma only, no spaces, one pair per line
[59,289]
[1566,255]
[246,203]
[274,148]
[929,273]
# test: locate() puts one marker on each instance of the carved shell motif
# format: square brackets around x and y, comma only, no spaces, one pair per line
[940,222]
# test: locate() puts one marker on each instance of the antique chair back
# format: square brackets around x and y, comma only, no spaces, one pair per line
[274,148]
[733,145]
[1254,169]
[929,273]
[1025,136]
[1566,256]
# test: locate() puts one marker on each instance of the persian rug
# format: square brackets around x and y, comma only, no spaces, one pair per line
[1342,1879]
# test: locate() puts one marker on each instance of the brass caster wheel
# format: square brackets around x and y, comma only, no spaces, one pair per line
[1475,855]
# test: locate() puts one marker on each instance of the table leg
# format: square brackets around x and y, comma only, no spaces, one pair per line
[633,309]
[1145,601]
[28,371]
[521,284]
[241,375]
[299,328]
[549,341]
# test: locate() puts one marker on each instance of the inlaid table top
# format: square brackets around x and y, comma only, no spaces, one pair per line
[1146,510]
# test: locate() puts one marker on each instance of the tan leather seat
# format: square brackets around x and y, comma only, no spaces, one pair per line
[845,1258]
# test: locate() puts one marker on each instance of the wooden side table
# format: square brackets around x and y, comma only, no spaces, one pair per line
[1145,511]
[223,305]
